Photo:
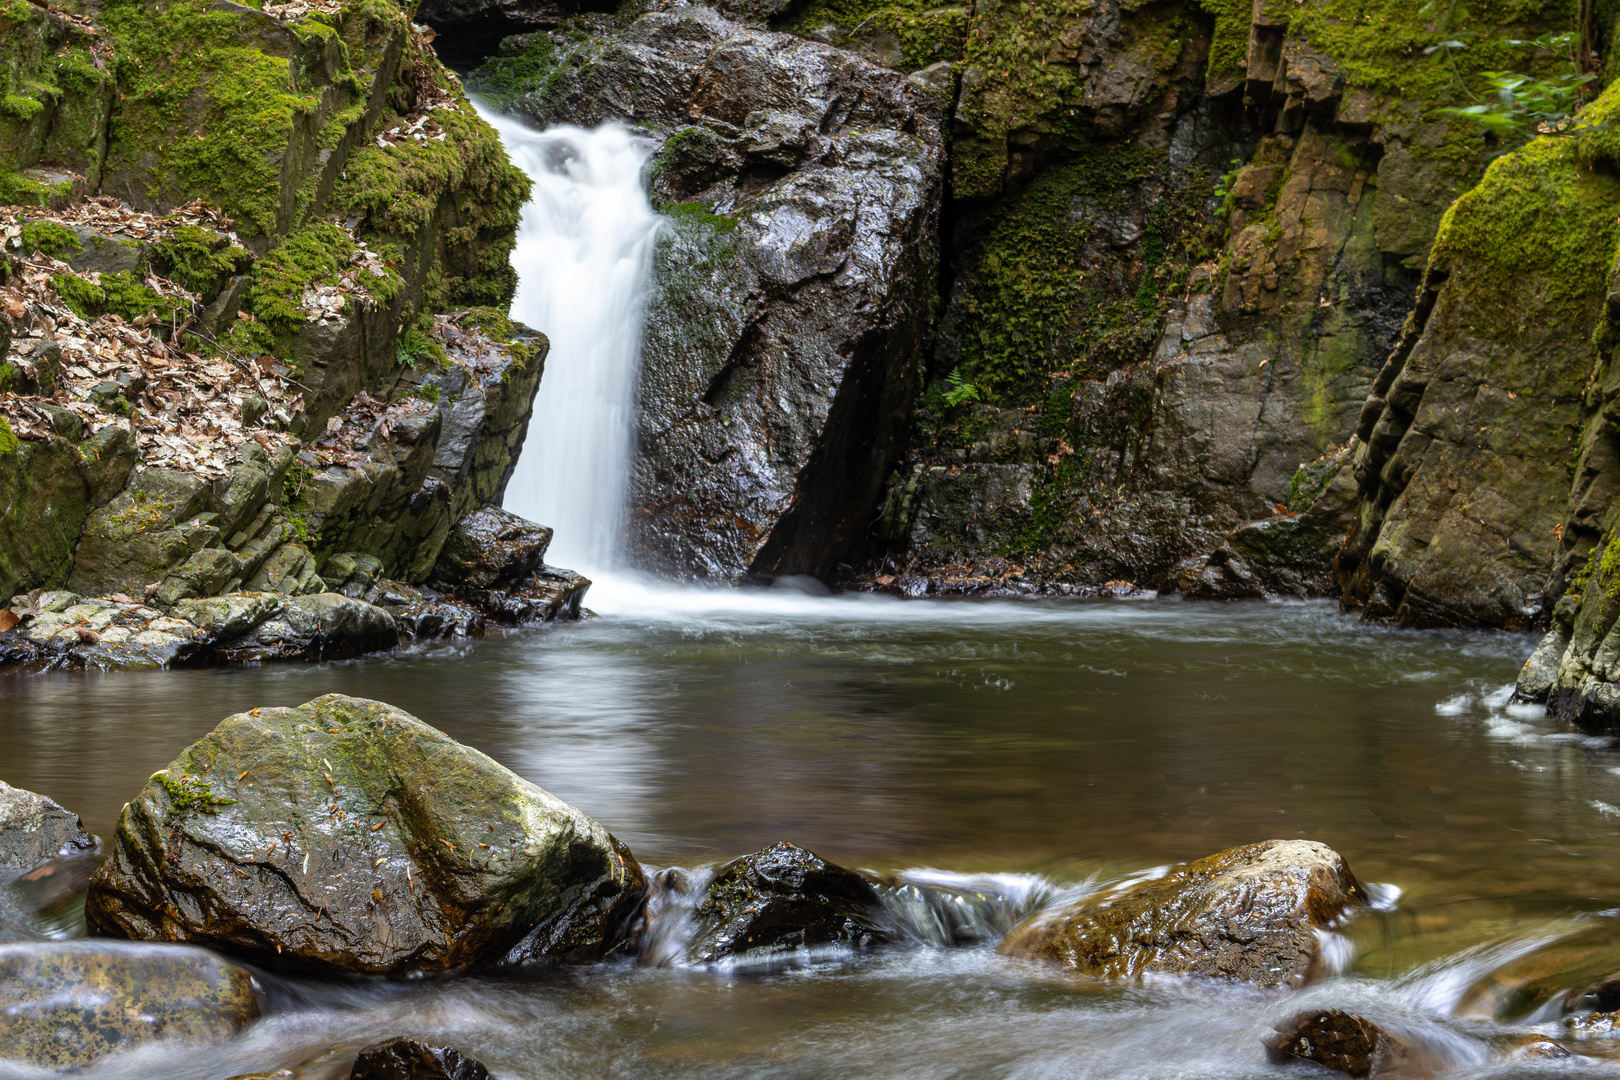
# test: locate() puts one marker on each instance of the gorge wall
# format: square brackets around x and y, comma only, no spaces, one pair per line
[254,278]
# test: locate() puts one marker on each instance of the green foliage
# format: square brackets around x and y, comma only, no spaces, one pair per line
[189,793]
[698,213]
[428,392]
[1522,106]
[926,33]
[83,297]
[51,238]
[1229,44]
[959,390]
[316,255]
[19,190]
[122,294]
[1227,180]
[416,349]
[8,438]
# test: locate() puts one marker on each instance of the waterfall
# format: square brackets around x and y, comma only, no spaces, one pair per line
[584,255]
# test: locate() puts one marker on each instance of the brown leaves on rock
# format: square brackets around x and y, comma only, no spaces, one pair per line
[106,214]
[350,433]
[298,9]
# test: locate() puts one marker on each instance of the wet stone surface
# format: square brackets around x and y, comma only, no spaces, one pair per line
[1250,914]
[68,1004]
[346,836]
[407,1059]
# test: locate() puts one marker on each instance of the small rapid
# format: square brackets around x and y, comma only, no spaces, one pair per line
[583,257]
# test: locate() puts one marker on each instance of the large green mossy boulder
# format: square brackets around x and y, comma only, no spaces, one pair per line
[70,1003]
[1251,914]
[347,836]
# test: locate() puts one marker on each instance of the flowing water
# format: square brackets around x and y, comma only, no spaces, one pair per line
[995,756]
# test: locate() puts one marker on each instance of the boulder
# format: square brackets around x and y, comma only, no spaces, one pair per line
[407,1059]
[35,830]
[491,549]
[346,836]
[549,593]
[1250,914]
[69,1004]
[323,626]
[1338,1040]
[782,899]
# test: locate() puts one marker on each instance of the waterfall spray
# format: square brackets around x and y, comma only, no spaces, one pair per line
[584,257]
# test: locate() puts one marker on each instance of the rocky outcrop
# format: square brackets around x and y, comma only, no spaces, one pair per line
[35,830]
[802,187]
[781,900]
[346,836]
[1250,914]
[69,1004]
[407,1059]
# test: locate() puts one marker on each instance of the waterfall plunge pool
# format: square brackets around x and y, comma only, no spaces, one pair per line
[1068,741]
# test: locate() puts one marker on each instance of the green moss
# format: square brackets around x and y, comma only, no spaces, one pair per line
[492,322]
[83,297]
[200,259]
[8,438]
[416,349]
[926,33]
[698,214]
[1536,235]
[1229,43]
[530,65]
[189,793]
[52,238]
[19,190]
[21,108]
[316,255]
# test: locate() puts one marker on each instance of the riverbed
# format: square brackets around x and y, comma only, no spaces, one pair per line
[1014,749]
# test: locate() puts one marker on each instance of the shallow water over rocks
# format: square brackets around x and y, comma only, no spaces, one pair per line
[996,756]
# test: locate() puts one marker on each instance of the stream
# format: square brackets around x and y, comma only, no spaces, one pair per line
[1012,749]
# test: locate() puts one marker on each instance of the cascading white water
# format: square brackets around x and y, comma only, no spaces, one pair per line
[584,256]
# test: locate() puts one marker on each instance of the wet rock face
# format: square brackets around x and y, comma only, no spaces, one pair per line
[346,836]
[1249,914]
[72,1003]
[782,899]
[491,549]
[407,1059]
[1338,1040]
[34,830]
[802,186]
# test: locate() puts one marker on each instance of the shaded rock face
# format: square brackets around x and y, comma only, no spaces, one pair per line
[407,1059]
[72,1003]
[1250,914]
[346,836]
[791,288]
[492,549]
[34,830]
[780,900]
[1338,1040]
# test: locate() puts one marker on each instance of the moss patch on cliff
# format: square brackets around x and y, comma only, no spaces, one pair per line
[318,255]
[922,32]
[200,259]
[1533,239]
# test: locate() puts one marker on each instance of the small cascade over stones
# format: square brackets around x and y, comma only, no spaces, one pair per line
[583,257]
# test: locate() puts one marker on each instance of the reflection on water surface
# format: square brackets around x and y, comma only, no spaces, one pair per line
[1068,740]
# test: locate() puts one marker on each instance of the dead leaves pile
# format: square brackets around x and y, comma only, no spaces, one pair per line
[108,215]
[469,348]
[325,302]
[298,9]
[188,411]
[350,433]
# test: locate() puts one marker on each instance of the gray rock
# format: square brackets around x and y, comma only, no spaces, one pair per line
[321,626]
[491,549]
[1540,672]
[400,851]
[72,1003]
[407,1059]
[34,830]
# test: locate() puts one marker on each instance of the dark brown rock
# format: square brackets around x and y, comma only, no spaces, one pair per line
[782,899]
[35,830]
[407,1059]
[70,1003]
[1249,914]
[346,836]
[1338,1040]
[491,549]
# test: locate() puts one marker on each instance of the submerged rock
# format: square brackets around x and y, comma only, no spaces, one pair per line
[1250,914]
[407,1059]
[347,836]
[1338,1040]
[782,899]
[71,1003]
[35,830]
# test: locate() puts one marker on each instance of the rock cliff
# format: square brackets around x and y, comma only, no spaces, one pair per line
[254,275]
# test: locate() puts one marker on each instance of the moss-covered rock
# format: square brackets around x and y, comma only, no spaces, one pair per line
[69,1004]
[402,851]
